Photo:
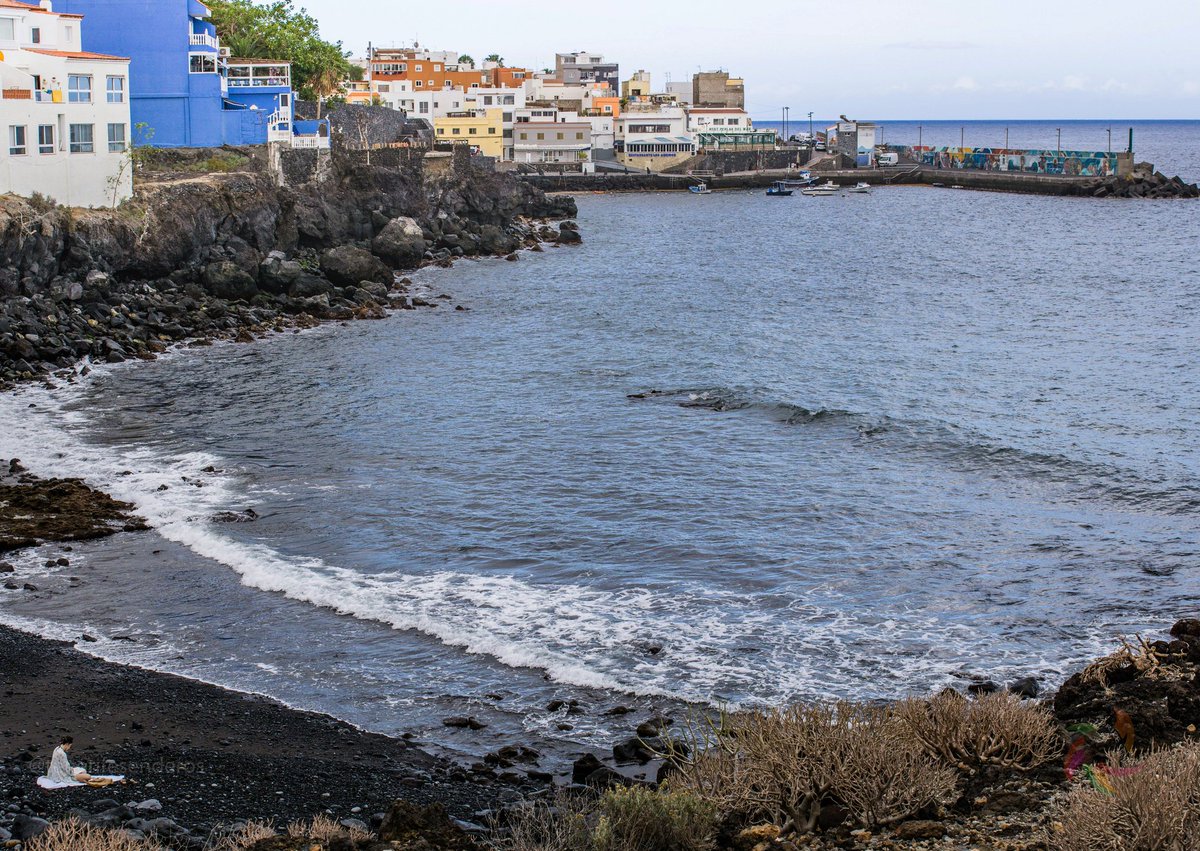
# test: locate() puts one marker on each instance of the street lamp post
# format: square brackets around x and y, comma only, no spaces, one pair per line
[811,138]
[1110,140]
[920,135]
[962,137]
[1059,131]
[1006,138]
[787,110]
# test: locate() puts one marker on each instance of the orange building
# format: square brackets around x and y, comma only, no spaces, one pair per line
[424,72]
[605,106]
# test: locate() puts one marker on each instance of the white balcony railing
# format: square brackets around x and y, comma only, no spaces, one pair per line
[310,141]
[204,40]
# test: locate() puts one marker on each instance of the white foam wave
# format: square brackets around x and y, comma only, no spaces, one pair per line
[713,645]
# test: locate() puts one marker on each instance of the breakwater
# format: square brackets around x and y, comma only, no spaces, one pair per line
[1146,184]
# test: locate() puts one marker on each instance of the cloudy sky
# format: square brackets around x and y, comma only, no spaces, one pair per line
[874,59]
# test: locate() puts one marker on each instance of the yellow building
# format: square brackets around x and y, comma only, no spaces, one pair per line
[637,86]
[480,128]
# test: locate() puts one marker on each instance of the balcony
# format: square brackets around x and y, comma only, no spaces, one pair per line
[204,40]
[254,76]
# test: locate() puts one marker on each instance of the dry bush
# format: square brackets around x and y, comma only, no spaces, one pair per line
[321,828]
[994,729]
[242,838]
[72,835]
[783,766]
[1155,809]
[558,825]
[1143,658]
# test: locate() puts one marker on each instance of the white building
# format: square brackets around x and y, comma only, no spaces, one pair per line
[705,120]
[653,138]
[64,112]
[543,135]
[508,100]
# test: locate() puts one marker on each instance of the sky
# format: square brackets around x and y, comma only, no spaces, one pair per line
[870,60]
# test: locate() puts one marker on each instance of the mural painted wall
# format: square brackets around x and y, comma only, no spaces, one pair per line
[1033,161]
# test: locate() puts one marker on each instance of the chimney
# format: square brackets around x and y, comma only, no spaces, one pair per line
[47,5]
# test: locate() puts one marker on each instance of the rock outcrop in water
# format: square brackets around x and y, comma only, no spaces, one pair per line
[233,254]
[34,510]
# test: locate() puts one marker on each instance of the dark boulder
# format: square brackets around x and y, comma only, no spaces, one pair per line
[307,286]
[225,279]
[492,240]
[277,274]
[348,265]
[401,242]
[411,826]
[1026,687]
[26,827]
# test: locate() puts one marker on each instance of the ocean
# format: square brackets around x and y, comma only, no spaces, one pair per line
[732,450]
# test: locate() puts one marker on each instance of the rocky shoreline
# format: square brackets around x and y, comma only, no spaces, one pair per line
[233,256]
[204,761]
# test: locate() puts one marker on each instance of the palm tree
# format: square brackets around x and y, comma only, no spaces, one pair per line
[495,57]
[326,83]
[466,59]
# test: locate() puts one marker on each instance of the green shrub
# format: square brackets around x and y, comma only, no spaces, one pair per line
[639,819]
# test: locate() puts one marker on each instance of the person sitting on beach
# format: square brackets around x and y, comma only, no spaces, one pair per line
[61,773]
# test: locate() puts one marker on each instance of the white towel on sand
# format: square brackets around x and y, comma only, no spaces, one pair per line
[61,775]
[47,783]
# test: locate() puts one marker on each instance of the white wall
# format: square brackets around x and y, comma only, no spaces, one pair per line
[79,179]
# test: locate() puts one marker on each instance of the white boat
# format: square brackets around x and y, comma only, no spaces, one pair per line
[861,188]
[700,189]
[827,188]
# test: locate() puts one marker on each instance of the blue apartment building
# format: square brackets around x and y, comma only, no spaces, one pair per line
[185,90]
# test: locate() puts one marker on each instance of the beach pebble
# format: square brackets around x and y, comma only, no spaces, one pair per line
[152,805]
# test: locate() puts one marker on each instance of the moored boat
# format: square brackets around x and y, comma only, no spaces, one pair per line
[861,188]
[700,189]
[777,189]
[826,188]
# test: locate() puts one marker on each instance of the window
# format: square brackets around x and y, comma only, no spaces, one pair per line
[16,140]
[491,131]
[417,68]
[8,29]
[82,141]
[457,131]
[116,89]
[433,84]
[69,34]
[424,106]
[45,138]
[418,84]
[578,135]
[508,100]
[473,131]
[202,63]
[541,137]
[116,138]
[384,88]
[79,88]
[560,136]
[441,131]
[35,35]
[524,137]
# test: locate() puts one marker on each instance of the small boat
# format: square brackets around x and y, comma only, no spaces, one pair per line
[777,189]
[803,179]
[861,188]
[700,189]
[827,188]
